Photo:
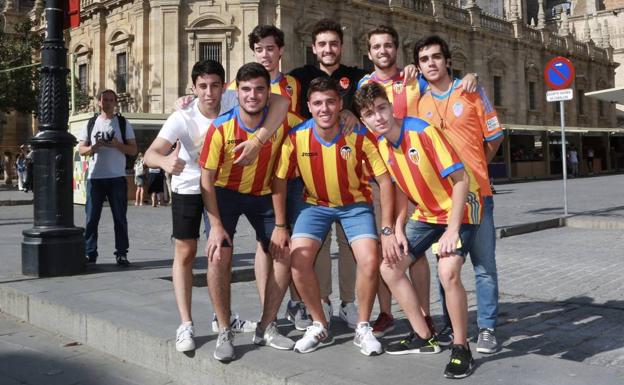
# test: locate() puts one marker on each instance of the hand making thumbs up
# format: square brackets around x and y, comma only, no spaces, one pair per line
[173,164]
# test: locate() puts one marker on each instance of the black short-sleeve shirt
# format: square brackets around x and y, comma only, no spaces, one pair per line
[346,77]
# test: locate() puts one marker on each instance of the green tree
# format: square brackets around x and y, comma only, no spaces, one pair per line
[19,87]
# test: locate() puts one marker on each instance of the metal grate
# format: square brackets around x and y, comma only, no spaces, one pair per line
[122,73]
[210,51]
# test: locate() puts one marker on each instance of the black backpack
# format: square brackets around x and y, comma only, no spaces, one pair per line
[122,128]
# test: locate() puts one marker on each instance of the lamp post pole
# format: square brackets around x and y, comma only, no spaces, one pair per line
[53,246]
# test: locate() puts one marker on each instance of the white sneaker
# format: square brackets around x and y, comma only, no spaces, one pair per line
[184,337]
[314,337]
[366,341]
[328,309]
[349,314]
[237,325]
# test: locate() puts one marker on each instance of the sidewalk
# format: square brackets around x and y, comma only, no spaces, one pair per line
[561,301]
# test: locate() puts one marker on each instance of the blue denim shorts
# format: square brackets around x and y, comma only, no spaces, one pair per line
[421,235]
[357,220]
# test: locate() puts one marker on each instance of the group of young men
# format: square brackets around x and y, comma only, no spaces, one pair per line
[235,153]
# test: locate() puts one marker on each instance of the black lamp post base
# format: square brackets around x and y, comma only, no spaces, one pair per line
[49,252]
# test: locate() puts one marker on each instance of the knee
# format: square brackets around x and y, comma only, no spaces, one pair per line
[389,274]
[301,262]
[369,267]
[449,277]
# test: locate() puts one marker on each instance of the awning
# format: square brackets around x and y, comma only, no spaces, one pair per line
[611,95]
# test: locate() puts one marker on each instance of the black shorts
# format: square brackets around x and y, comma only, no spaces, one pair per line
[186,213]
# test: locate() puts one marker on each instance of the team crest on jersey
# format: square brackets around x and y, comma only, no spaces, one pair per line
[398,87]
[289,89]
[345,152]
[344,82]
[413,155]
[458,108]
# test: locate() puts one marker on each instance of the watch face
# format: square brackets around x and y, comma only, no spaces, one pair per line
[386,230]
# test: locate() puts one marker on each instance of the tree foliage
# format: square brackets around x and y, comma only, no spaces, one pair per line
[19,88]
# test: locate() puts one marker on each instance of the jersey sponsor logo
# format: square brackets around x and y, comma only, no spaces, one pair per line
[492,123]
[398,87]
[309,154]
[289,89]
[344,82]
[345,152]
[413,155]
[458,109]
[234,141]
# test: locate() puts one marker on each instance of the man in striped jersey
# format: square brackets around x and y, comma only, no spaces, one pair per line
[448,208]
[331,166]
[230,190]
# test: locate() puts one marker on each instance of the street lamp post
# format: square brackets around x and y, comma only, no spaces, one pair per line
[53,246]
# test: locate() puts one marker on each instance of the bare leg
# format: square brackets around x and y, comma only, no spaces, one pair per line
[219,276]
[262,268]
[449,270]
[420,276]
[182,272]
[303,254]
[366,255]
[277,283]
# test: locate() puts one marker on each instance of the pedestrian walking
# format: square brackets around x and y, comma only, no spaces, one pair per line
[139,180]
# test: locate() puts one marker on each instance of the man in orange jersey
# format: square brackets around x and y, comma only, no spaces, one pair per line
[383,44]
[331,166]
[471,124]
[230,190]
[427,171]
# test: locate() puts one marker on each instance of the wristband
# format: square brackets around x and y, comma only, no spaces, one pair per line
[281,225]
[259,141]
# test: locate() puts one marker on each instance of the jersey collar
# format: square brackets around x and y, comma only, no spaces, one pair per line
[242,125]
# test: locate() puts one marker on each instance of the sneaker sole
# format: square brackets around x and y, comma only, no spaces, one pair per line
[364,352]
[185,349]
[413,351]
[319,345]
[485,350]
[459,376]
[383,333]
[262,342]
[224,359]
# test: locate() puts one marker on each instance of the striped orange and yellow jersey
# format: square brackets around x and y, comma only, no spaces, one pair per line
[284,85]
[420,164]
[333,172]
[467,120]
[224,134]
[403,96]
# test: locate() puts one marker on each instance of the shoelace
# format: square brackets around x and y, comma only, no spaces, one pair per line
[487,335]
[185,332]
[225,337]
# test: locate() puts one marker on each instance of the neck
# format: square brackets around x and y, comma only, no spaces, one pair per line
[328,134]
[275,74]
[395,132]
[251,120]
[386,73]
[329,69]
[210,113]
[107,115]
[442,85]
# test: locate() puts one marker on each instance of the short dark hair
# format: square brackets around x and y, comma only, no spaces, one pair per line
[252,71]
[262,31]
[108,90]
[366,95]
[326,25]
[431,40]
[383,30]
[207,67]
[322,84]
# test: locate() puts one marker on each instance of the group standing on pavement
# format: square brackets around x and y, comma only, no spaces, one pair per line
[301,152]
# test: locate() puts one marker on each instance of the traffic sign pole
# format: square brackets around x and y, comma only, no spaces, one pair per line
[563,159]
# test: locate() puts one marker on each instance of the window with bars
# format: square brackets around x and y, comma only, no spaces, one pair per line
[532,100]
[122,73]
[498,91]
[82,77]
[210,51]
[580,94]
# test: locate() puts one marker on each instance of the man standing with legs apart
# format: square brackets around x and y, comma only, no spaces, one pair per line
[230,190]
[470,123]
[428,172]
[109,139]
[332,169]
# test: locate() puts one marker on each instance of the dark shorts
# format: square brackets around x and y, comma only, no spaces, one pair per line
[421,235]
[257,209]
[186,212]
[139,180]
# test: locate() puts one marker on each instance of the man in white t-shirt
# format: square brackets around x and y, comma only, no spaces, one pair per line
[106,178]
[186,129]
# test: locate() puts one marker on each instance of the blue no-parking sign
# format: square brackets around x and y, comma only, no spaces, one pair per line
[559,73]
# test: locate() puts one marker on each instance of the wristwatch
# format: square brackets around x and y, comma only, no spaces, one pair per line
[387,230]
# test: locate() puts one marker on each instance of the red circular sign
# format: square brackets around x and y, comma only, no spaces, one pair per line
[559,73]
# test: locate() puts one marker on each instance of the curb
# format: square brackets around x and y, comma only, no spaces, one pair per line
[531,227]
[17,202]
[588,222]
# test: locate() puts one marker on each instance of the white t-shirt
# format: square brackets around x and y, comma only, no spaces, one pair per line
[108,162]
[189,125]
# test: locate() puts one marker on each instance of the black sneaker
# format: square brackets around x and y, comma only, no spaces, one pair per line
[122,260]
[461,364]
[445,336]
[413,344]
[91,260]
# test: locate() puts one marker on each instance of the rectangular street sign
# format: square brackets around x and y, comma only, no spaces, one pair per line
[559,95]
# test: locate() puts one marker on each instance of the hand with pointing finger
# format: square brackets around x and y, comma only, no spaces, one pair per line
[173,164]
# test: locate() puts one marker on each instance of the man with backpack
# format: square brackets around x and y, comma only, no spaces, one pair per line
[107,138]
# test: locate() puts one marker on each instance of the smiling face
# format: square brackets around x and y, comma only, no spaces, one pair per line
[378,116]
[253,95]
[268,53]
[432,63]
[327,48]
[108,102]
[382,51]
[208,89]
[325,108]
